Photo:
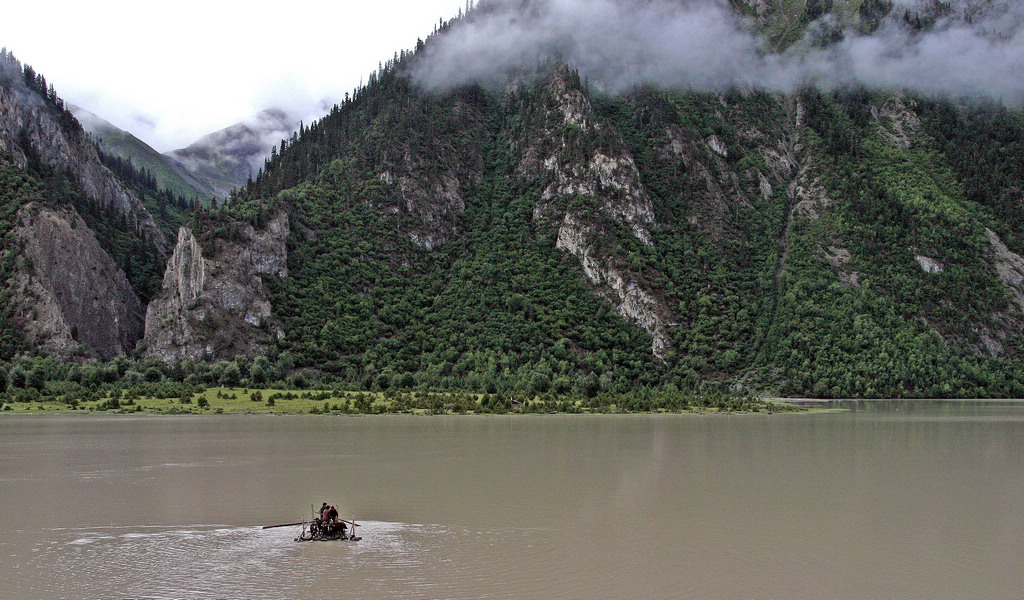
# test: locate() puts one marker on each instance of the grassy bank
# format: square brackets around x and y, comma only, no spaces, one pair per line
[280,401]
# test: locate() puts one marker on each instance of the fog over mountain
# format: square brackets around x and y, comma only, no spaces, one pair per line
[228,157]
[972,47]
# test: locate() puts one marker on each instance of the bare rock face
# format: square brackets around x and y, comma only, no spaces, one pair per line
[1009,266]
[70,296]
[26,119]
[896,122]
[575,165]
[427,174]
[615,285]
[435,201]
[217,305]
[715,186]
[711,184]
[929,265]
[566,154]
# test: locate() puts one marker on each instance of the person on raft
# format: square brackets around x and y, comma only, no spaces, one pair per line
[329,517]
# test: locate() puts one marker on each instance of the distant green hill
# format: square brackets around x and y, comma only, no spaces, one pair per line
[169,174]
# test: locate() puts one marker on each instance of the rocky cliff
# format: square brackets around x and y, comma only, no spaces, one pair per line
[427,182]
[214,304]
[70,297]
[75,291]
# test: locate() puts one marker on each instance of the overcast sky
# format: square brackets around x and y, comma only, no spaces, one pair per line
[172,72]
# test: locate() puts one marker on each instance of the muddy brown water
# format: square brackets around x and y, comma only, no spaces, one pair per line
[890,500]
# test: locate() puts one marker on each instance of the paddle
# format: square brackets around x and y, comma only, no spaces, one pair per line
[352,523]
[284,525]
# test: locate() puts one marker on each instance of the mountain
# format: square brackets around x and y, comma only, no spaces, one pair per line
[211,166]
[591,210]
[542,235]
[826,22]
[226,159]
[81,251]
[169,174]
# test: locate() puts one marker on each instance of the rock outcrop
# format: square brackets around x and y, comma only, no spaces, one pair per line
[896,122]
[593,191]
[70,296]
[617,286]
[1009,266]
[435,202]
[216,305]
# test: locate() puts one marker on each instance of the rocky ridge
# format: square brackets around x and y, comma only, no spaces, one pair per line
[428,180]
[587,168]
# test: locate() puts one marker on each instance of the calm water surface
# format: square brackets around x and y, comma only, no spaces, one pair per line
[887,501]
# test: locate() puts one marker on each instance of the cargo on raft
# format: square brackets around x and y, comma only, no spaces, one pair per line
[324,528]
[320,530]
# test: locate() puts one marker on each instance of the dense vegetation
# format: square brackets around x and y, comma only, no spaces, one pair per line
[16,189]
[417,261]
[496,308]
[759,302]
[168,209]
[125,386]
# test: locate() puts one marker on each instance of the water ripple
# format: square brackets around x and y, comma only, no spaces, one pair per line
[397,560]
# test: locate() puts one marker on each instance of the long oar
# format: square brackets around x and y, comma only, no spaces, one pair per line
[284,525]
[353,523]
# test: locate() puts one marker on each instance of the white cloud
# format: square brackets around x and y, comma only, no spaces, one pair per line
[175,72]
[172,72]
[701,44]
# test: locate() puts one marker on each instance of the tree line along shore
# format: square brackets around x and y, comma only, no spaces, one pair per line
[222,400]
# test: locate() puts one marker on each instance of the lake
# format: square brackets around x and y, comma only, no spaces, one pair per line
[889,500]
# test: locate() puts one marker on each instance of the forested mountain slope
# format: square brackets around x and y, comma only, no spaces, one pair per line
[545,236]
[167,173]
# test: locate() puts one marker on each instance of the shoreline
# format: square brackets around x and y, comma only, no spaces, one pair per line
[341,403]
[273,402]
[44,409]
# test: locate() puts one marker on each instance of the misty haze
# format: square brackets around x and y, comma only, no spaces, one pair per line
[975,47]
